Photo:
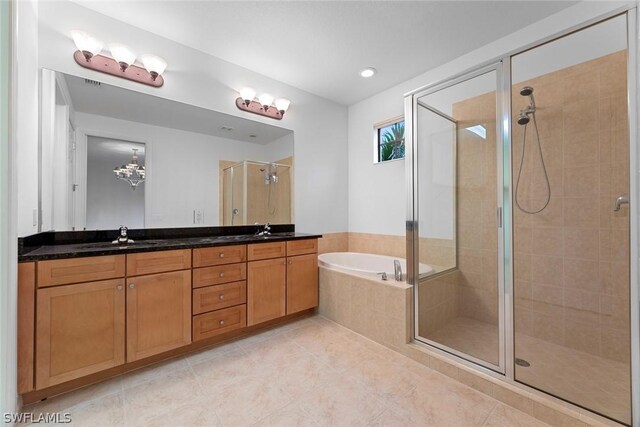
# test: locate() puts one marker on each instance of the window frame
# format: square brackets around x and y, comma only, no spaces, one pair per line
[376,138]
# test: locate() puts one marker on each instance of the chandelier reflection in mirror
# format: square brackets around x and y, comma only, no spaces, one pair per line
[133,172]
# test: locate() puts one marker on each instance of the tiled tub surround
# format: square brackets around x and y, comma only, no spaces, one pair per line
[381,311]
[438,253]
[312,372]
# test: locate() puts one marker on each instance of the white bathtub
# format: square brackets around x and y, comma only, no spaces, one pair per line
[366,264]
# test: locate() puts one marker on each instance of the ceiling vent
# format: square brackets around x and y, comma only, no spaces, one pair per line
[92,83]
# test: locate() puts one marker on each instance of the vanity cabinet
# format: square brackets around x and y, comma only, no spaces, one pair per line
[158,313]
[281,285]
[266,290]
[80,330]
[302,282]
[79,317]
[220,290]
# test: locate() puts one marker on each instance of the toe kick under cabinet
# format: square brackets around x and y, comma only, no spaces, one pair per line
[79,317]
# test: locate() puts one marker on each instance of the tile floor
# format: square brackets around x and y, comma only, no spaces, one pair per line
[312,372]
[594,382]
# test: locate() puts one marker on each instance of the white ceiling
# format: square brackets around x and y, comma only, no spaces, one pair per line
[320,46]
[118,103]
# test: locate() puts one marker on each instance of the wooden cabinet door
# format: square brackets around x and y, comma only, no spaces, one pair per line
[266,290]
[302,283]
[26,324]
[158,313]
[80,330]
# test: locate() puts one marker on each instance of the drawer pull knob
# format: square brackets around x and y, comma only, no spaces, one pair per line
[132,285]
[222,322]
[221,296]
[221,274]
[221,255]
[289,262]
[119,287]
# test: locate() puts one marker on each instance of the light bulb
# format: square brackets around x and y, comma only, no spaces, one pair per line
[368,72]
[265,101]
[282,105]
[123,55]
[154,65]
[88,45]
[247,94]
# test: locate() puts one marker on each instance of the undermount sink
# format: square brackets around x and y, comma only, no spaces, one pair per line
[109,245]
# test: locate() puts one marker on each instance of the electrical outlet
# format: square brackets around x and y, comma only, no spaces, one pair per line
[197,216]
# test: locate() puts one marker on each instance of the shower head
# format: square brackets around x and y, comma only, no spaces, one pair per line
[523,118]
[526,91]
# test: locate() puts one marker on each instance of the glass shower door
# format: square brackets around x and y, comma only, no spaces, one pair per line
[570,166]
[459,306]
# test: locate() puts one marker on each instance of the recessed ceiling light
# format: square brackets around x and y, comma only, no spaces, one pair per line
[368,72]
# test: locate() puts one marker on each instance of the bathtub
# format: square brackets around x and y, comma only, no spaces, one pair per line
[369,265]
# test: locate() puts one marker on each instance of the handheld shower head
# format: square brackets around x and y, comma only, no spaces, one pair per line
[526,91]
[523,118]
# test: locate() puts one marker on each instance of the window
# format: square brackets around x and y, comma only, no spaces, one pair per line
[389,140]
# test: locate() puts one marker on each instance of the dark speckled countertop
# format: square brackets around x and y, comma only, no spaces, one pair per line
[86,244]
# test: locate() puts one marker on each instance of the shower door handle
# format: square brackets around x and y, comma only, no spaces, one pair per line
[622,199]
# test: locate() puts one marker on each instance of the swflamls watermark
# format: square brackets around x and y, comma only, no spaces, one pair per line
[45,417]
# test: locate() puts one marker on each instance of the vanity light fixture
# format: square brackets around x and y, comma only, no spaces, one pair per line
[121,63]
[154,65]
[264,105]
[123,55]
[133,172]
[88,45]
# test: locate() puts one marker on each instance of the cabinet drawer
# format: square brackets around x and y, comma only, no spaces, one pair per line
[203,257]
[76,270]
[220,296]
[301,247]
[208,276]
[158,262]
[218,322]
[258,251]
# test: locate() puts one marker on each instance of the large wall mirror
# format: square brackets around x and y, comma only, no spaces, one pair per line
[111,156]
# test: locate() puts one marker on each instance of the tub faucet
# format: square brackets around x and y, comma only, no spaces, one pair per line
[397,269]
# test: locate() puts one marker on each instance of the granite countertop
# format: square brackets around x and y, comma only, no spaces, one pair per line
[93,248]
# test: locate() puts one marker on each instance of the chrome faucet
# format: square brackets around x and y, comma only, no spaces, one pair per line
[397,269]
[122,238]
[263,230]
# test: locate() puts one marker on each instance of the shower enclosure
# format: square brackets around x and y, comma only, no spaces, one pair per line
[519,172]
[256,192]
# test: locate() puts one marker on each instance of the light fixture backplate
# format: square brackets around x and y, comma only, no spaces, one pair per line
[256,108]
[107,65]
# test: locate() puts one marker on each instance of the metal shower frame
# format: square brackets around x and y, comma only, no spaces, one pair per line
[506,371]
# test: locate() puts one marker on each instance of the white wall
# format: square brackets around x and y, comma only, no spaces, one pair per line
[26,134]
[112,202]
[182,167]
[21,33]
[320,125]
[377,192]
[7,235]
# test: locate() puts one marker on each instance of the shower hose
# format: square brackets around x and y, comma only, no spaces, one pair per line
[544,168]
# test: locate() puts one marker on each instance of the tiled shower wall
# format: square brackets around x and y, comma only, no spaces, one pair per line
[572,259]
